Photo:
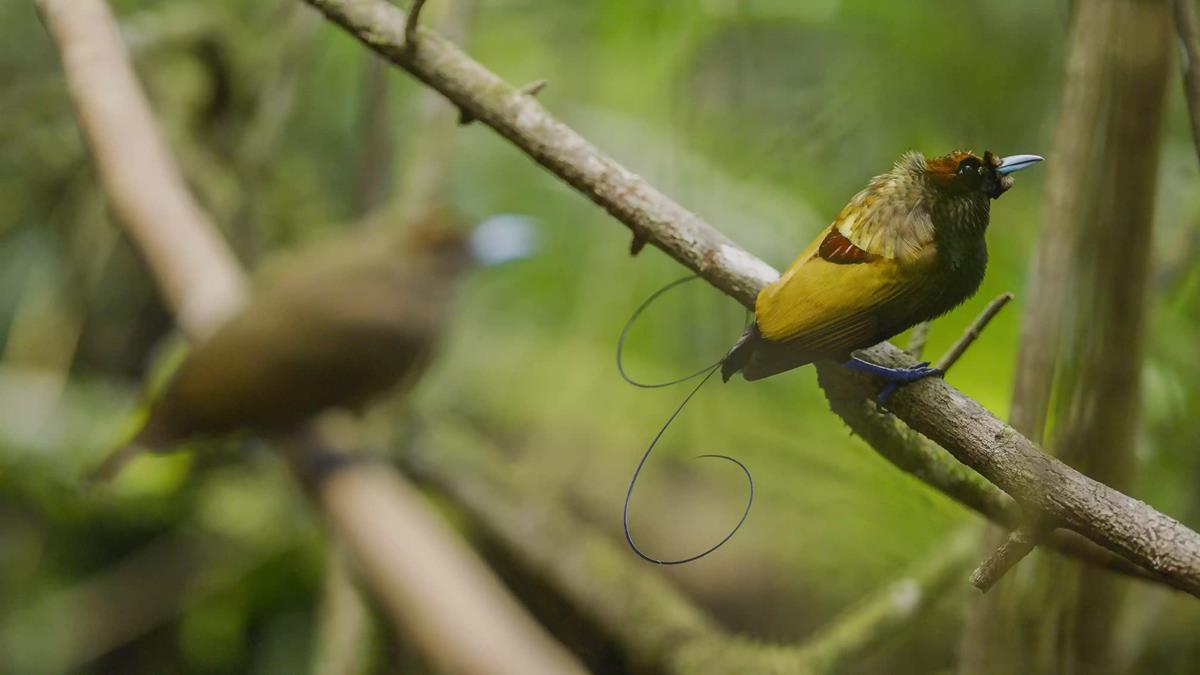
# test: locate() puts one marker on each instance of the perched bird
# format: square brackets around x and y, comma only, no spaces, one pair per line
[333,327]
[908,248]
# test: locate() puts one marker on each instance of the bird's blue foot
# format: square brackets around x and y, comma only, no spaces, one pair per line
[894,377]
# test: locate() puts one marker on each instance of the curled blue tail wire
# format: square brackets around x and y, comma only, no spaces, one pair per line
[629,325]
[707,373]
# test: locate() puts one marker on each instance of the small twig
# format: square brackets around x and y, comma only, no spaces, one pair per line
[411,22]
[637,244]
[917,339]
[1189,63]
[973,331]
[1019,544]
[534,88]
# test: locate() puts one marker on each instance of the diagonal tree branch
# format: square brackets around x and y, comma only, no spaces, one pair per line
[959,424]
[914,454]
[143,184]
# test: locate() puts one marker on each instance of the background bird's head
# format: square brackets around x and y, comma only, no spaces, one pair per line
[963,173]
[441,237]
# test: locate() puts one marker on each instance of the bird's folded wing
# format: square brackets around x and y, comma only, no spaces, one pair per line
[829,307]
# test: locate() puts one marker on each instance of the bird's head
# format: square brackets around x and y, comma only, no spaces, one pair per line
[899,210]
[962,173]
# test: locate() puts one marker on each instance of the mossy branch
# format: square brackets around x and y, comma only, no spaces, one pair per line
[657,627]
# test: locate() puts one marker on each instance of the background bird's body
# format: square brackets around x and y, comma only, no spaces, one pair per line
[330,327]
[331,330]
[908,248]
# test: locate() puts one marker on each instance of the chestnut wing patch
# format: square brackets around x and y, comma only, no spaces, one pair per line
[837,249]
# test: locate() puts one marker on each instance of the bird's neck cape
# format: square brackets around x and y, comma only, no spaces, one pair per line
[951,214]
[901,213]
[890,218]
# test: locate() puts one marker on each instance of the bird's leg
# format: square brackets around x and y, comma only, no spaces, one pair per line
[894,377]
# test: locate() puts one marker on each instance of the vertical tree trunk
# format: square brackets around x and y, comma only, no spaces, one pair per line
[422,180]
[1104,357]
[375,122]
[1082,330]
[408,188]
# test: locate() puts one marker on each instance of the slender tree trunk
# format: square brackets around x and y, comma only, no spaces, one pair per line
[1104,357]
[422,181]
[376,133]
[1082,332]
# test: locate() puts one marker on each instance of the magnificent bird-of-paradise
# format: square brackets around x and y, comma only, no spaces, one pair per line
[906,249]
[333,327]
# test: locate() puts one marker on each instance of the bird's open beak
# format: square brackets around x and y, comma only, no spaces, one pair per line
[1016,163]
[502,238]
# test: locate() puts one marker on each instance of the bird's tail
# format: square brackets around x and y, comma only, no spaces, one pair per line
[706,374]
[739,355]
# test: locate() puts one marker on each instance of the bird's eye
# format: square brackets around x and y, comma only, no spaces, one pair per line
[969,166]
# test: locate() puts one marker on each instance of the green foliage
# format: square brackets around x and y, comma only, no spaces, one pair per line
[763,116]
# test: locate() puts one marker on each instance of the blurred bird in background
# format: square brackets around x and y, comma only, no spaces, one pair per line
[332,327]
[908,248]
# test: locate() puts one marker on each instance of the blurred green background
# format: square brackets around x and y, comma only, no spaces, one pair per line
[762,116]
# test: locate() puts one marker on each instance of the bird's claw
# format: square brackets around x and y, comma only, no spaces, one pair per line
[894,377]
[903,377]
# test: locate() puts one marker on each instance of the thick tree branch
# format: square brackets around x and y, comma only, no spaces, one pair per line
[437,592]
[967,430]
[931,464]
[914,454]
[144,186]
[425,578]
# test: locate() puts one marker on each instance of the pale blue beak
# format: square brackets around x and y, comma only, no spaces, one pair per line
[1016,163]
[502,238]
